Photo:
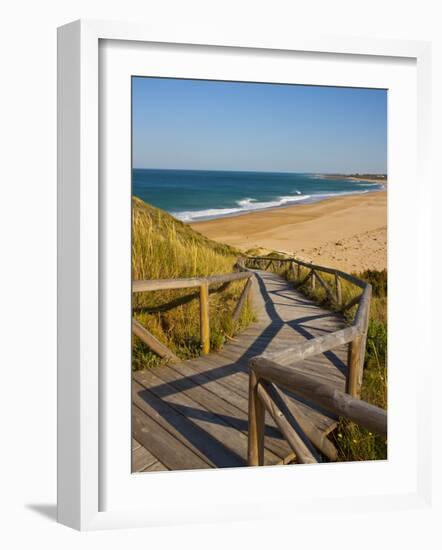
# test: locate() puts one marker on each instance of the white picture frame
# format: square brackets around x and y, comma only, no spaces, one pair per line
[81,397]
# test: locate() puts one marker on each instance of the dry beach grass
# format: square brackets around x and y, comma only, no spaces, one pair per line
[165,248]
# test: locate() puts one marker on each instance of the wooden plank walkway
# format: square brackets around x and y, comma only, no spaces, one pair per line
[194,414]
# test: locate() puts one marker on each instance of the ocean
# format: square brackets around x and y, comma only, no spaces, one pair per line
[196,195]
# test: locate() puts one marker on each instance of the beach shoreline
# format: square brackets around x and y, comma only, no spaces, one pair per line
[348,232]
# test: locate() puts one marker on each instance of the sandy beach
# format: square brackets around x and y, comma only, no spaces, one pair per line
[348,232]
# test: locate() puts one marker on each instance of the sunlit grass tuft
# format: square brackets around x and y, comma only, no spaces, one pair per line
[166,248]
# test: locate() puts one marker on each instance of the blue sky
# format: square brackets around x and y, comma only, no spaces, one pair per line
[213,125]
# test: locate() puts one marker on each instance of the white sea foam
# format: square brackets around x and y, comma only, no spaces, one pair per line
[249,205]
[244,205]
[205,214]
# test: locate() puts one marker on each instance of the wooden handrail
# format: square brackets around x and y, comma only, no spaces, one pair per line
[266,370]
[190,282]
[315,346]
[203,283]
[366,415]
[316,267]
[337,402]
[287,424]
[355,336]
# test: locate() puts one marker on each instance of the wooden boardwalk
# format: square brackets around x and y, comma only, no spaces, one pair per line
[194,414]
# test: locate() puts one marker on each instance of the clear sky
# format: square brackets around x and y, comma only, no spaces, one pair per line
[214,125]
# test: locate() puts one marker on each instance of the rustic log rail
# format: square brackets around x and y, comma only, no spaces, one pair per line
[203,283]
[266,372]
[355,336]
[266,375]
[277,383]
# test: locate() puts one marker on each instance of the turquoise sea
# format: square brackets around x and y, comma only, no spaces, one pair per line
[195,195]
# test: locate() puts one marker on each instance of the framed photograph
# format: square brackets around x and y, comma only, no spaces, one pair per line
[231,228]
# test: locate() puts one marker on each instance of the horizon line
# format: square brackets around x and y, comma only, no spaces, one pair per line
[261,171]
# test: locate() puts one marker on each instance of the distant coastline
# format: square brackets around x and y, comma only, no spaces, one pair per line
[201,195]
[374,178]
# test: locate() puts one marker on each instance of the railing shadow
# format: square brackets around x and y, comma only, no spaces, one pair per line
[184,418]
[177,416]
[262,341]
[180,301]
[297,325]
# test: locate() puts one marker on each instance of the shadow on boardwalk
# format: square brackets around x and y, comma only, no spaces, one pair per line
[194,414]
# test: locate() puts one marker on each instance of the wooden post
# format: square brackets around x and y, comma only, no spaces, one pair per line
[204,318]
[255,453]
[323,394]
[305,279]
[155,345]
[299,271]
[364,342]
[313,281]
[356,352]
[326,287]
[338,288]
[287,424]
[351,303]
[355,366]
[242,301]
[316,436]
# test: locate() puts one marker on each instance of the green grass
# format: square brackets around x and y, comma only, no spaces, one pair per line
[165,248]
[352,441]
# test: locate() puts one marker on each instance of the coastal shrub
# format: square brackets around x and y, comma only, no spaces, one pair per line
[378,281]
[354,442]
[166,248]
[376,342]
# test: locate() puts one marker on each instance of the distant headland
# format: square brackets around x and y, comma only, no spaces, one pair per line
[375,178]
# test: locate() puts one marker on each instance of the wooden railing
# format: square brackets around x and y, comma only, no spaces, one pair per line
[203,283]
[268,375]
[355,335]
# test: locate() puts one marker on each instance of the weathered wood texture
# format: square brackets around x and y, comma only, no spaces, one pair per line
[308,387]
[286,423]
[242,301]
[258,261]
[194,414]
[191,282]
[204,318]
[351,303]
[326,287]
[338,289]
[256,424]
[318,438]
[154,344]
[203,283]
[355,336]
